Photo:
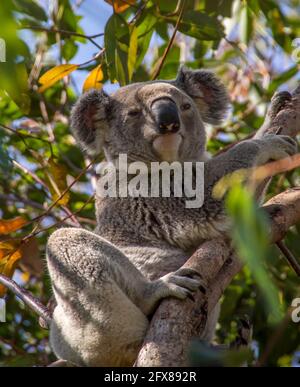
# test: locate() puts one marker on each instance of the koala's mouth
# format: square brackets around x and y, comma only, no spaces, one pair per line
[167,146]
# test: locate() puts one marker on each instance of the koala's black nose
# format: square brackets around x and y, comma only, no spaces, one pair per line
[166,115]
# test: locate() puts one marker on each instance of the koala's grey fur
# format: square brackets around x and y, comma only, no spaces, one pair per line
[107,283]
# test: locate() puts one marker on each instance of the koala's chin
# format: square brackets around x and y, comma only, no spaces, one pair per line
[167,146]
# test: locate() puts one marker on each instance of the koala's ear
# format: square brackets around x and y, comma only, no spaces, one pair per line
[208,92]
[89,123]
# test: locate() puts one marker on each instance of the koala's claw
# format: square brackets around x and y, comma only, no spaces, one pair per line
[284,144]
[188,272]
[182,283]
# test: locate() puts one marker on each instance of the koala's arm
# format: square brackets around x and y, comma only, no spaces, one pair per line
[248,154]
[194,225]
[264,146]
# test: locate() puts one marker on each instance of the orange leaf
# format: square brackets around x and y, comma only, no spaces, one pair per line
[11,225]
[93,80]
[120,5]
[55,74]
[10,254]
[31,262]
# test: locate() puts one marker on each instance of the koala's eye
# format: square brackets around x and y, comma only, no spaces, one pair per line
[134,113]
[186,106]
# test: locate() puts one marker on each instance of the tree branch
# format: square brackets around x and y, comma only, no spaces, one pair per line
[27,298]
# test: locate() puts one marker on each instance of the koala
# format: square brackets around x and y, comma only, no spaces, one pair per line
[108,283]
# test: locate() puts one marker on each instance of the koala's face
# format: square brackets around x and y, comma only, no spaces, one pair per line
[153,121]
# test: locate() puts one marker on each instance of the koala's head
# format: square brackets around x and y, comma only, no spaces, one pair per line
[151,121]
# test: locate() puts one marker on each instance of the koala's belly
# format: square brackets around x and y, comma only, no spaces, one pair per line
[154,262]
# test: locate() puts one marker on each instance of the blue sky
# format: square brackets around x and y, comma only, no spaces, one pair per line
[95,14]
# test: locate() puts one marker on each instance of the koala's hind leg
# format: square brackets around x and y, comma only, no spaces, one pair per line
[95,322]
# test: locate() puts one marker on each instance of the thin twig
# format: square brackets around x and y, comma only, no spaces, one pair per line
[138,13]
[28,299]
[289,256]
[69,186]
[13,198]
[97,56]
[163,58]
[35,233]
[274,339]
[67,33]
[18,350]
[30,173]
[22,136]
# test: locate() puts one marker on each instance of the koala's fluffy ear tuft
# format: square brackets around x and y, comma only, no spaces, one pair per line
[208,92]
[89,120]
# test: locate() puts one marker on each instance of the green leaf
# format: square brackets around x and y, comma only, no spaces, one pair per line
[166,6]
[250,236]
[18,90]
[220,7]
[68,20]
[201,26]
[121,74]
[69,49]
[145,29]
[162,30]
[31,8]
[246,24]
[171,64]
[116,39]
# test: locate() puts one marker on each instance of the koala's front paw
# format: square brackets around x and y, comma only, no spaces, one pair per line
[276,147]
[182,283]
[179,284]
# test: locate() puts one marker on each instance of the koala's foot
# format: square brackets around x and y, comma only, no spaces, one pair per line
[182,283]
[275,147]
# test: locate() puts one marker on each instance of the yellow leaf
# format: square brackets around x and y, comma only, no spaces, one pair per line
[11,225]
[120,5]
[132,51]
[93,80]
[55,74]
[57,179]
[9,257]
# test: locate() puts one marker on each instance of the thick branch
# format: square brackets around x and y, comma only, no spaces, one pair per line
[284,210]
[175,321]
